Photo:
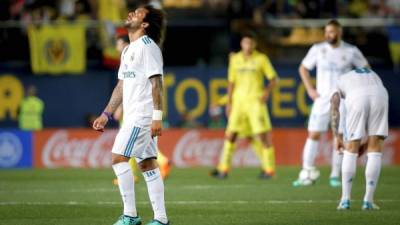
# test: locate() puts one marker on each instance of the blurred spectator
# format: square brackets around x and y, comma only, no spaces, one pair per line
[187,121]
[31,111]
[216,114]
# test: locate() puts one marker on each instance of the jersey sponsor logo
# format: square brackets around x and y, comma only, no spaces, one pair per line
[129,74]
[10,149]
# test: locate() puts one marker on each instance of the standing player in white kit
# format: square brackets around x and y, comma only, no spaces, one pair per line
[140,89]
[332,58]
[366,105]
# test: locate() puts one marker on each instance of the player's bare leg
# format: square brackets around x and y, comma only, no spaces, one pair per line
[372,171]
[268,156]
[225,160]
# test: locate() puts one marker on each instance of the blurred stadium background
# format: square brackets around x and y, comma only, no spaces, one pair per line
[65,48]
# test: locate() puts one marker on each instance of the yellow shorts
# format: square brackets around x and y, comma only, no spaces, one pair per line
[249,118]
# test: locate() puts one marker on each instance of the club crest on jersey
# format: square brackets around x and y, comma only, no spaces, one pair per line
[323,52]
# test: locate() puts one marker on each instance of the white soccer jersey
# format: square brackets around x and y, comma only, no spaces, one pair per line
[331,63]
[140,60]
[360,82]
[366,103]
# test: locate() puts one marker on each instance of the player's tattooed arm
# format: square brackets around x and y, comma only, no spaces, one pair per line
[116,98]
[157,91]
[335,115]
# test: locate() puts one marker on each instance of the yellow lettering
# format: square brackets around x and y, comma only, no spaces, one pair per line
[182,87]
[279,97]
[11,95]
[301,98]
[215,86]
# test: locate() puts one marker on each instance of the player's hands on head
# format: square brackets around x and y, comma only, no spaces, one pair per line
[313,94]
[156,128]
[100,123]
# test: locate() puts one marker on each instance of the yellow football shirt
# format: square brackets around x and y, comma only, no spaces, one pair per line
[247,75]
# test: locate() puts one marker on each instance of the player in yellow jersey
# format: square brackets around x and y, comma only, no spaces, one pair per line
[122,40]
[246,106]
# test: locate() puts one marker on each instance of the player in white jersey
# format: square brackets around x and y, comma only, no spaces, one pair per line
[366,104]
[331,59]
[140,90]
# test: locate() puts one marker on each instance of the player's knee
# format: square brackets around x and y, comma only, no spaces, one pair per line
[115,159]
[314,135]
[266,139]
[231,137]
[147,164]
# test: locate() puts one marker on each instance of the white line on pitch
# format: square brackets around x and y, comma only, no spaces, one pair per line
[237,202]
[84,190]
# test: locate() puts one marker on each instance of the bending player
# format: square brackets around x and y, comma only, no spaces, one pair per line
[366,104]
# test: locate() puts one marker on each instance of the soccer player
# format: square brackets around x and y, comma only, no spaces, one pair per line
[366,105]
[247,97]
[122,40]
[332,58]
[140,90]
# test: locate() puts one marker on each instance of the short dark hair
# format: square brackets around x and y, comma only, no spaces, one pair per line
[155,18]
[249,34]
[335,23]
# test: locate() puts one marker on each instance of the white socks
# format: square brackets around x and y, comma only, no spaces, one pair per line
[309,153]
[126,186]
[372,171]
[348,171]
[155,188]
[336,163]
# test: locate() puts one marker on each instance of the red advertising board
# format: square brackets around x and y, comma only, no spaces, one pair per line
[186,148]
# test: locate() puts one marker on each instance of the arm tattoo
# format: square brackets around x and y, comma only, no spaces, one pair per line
[157,91]
[335,115]
[116,98]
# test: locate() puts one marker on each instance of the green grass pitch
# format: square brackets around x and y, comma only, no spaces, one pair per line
[88,197]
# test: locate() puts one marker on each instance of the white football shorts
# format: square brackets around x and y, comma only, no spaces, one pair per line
[134,141]
[366,116]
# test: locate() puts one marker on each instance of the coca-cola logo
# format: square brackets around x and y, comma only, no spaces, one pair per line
[194,150]
[63,151]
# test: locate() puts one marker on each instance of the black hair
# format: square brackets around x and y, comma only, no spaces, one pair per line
[156,20]
[249,34]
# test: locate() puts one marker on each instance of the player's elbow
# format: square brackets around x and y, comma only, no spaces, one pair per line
[302,70]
